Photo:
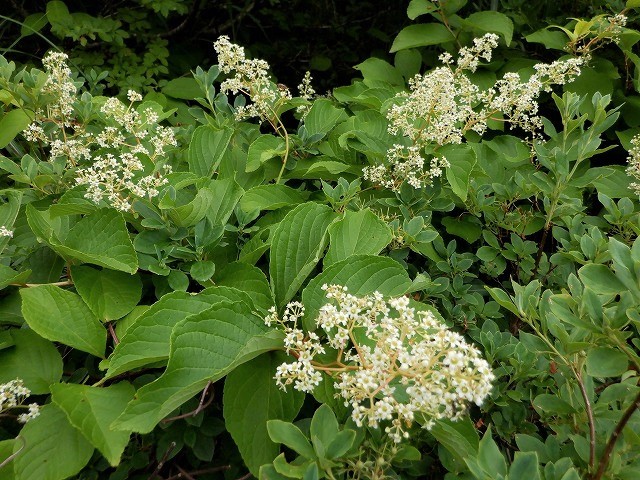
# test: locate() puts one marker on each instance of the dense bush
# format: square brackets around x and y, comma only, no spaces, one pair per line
[430,272]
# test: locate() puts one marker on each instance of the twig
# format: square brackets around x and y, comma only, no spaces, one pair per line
[15,454]
[201,406]
[592,428]
[112,332]
[606,455]
[245,477]
[184,474]
[55,284]
[155,473]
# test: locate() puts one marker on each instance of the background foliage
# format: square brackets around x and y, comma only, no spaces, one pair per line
[140,332]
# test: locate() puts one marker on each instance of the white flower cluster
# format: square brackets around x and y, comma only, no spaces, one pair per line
[444,104]
[111,160]
[251,78]
[5,232]
[60,85]
[406,164]
[12,395]
[115,180]
[392,361]
[633,169]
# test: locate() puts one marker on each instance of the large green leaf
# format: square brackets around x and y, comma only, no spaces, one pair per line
[204,347]
[296,248]
[322,117]
[264,148]
[31,358]
[459,438]
[53,448]
[462,159]
[421,35]
[606,362]
[11,124]
[191,213]
[108,293]
[206,149]
[249,279]
[270,197]
[360,232]
[147,340]
[6,450]
[361,274]
[226,194]
[251,398]
[61,316]
[100,238]
[600,279]
[92,409]
[491,21]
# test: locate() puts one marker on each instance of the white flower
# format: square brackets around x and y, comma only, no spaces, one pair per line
[5,232]
[406,352]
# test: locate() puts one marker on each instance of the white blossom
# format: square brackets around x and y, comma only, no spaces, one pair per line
[409,363]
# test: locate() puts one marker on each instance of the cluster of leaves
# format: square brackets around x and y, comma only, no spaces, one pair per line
[141,332]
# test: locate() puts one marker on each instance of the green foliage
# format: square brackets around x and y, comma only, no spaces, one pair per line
[139,328]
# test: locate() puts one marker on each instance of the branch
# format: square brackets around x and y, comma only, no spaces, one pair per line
[201,406]
[13,455]
[606,455]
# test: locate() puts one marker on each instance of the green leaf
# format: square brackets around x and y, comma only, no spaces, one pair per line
[61,316]
[361,274]
[525,465]
[6,450]
[600,279]
[291,436]
[251,398]
[9,276]
[8,213]
[226,194]
[204,348]
[91,410]
[324,425]
[184,88]
[100,238]
[202,271]
[33,23]
[53,448]
[33,359]
[191,213]
[462,159]
[340,444]
[11,124]
[147,340]
[490,457]
[552,404]
[108,293]
[606,362]
[206,149]
[264,148]
[633,4]
[492,21]
[421,35]
[361,232]
[296,248]
[270,197]
[459,438]
[420,7]
[249,279]
[322,118]
[552,39]
[377,70]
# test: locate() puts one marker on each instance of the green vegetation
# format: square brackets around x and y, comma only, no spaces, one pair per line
[431,271]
